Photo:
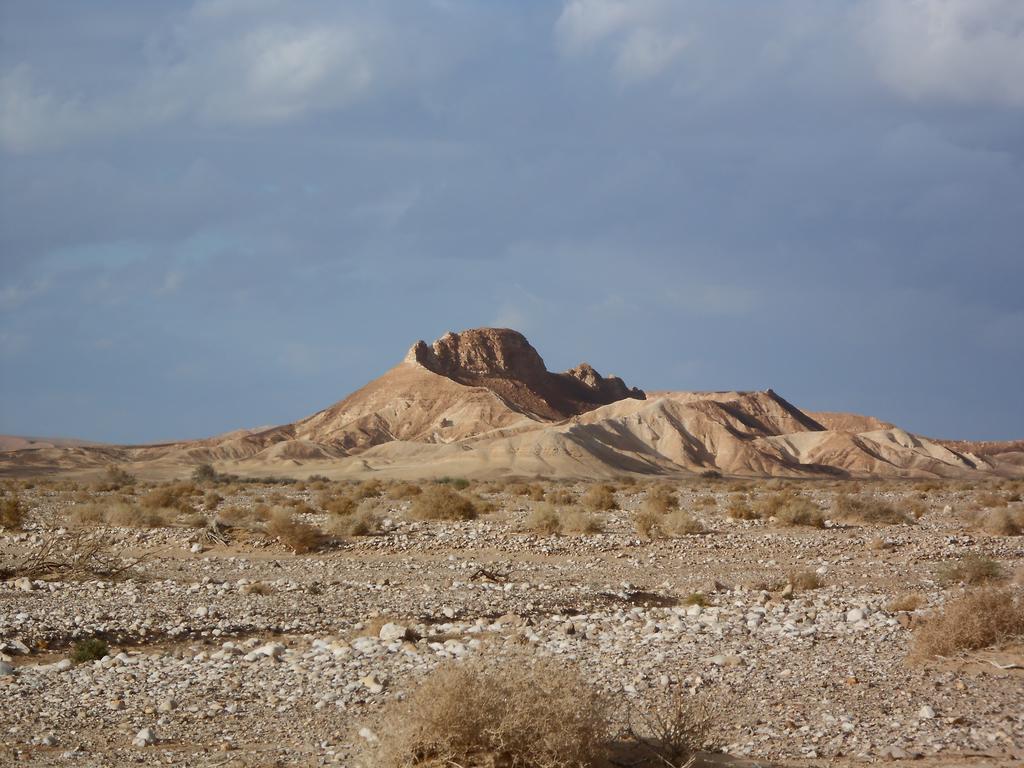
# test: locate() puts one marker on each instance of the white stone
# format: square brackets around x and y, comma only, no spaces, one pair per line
[145,737]
[854,615]
[6,670]
[391,632]
[24,584]
[926,713]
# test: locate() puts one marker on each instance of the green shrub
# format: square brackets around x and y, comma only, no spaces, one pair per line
[90,649]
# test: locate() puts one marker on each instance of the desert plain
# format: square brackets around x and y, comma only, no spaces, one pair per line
[608,578]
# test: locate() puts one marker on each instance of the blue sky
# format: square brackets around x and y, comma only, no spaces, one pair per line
[232,213]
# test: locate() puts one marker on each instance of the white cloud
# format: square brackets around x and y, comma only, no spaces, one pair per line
[222,63]
[965,50]
[634,30]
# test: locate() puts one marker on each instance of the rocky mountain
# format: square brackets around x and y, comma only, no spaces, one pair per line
[482,403]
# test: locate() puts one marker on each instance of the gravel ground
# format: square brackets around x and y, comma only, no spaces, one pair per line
[240,653]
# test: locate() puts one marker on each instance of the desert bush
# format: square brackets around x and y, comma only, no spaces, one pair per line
[680,523]
[740,510]
[368,489]
[805,580]
[696,598]
[212,500]
[458,483]
[906,602]
[534,714]
[441,502]
[990,500]
[403,491]
[560,497]
[536,492]
[204,473]
[857,509]
[798,510]
[12,512]
[89,649]
[337,505]
[915,508]
[517,489]
[127,516]
[116,514]
[169,497]
[298,536]
[543,519]
[1002,522]
[674,729]
[979,619]
[114,479]
[661,498]
[711,474]
[599,498]
[773,503]
[579,521]
[365,522]
[705,501]
[971,569]
[647,523]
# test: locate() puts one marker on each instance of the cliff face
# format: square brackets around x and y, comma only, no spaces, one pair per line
[503,361]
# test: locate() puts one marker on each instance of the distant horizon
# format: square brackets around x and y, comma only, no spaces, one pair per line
[648,391]
[215,213]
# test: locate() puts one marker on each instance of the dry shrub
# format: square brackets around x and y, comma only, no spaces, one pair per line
[705,501]
[114,479]
[12,512]
[440,502]
[856,509]
[579,521]
[805,580]
[536,492]
[915,508]
[212,500]
[971,569]
[661,499]
[798,510]
[242,517]
[118,515]
[979,619]
[543,519]
[365,522]
[528,715]
[740,510]
[560,497]
[298,536]
[337,505]
[126,516]
[404,491]
[1002,522]
[673,731]
[599,498]
[990,500]
[681,523]
[647,523]
[483,506]
[368,489]
[170,497]
[906,602]
[517,489]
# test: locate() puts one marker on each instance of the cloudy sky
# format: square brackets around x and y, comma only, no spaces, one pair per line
[232,213]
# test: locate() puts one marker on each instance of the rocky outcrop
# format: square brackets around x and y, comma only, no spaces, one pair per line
[503,361]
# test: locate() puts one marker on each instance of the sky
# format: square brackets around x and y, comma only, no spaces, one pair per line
[232,213]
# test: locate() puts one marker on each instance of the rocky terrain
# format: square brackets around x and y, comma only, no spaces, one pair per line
[223,646]
[482,404]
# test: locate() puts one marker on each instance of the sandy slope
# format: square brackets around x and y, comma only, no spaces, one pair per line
[481,404]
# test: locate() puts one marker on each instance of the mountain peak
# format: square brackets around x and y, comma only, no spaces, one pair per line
[502,360]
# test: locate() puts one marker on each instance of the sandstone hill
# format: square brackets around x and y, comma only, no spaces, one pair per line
[482,403]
